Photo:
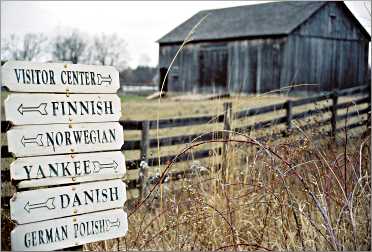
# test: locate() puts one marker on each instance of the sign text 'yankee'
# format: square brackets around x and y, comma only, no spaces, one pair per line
[64,169]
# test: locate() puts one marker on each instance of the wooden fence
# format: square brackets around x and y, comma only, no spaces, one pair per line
[145,143]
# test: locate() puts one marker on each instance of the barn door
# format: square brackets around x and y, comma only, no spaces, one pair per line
[213,68]
[163,72]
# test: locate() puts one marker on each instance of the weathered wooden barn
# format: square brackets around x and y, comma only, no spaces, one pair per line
[264,47]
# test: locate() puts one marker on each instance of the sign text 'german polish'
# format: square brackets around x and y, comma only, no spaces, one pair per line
[70,231]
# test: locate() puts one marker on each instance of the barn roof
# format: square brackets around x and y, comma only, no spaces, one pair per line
[276,18]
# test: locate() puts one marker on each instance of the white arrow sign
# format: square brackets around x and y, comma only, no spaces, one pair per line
[55,202]
[66,169]
[37,140]
[24,76]
[70,231]
[23,109]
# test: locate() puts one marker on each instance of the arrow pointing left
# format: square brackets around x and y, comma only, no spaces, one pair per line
[37,140]
[49,204]
[41,109]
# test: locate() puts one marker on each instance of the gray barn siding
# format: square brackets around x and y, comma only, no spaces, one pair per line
[327,63]
[255,65]
[333,54]
[328,50]
[183,76]
[319,24]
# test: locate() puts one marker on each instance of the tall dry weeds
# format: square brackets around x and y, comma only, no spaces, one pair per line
[293,194]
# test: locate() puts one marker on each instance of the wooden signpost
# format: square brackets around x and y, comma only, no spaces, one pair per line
[64,138]
[65,135]
[66,169]
[31,77]
[55,202]
[21,109]
[71,231]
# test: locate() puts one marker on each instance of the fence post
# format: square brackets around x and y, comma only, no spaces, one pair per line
[227,116]
[369,113]
[334,113]
[288,108]
[145,144]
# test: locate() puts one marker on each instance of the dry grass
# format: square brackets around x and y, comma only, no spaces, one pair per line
[299,193]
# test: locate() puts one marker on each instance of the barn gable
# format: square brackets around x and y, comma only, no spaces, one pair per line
[333,20]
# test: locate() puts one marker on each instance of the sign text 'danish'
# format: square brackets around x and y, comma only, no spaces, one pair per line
[65,169]
[23,109]
[70,231]
[55,202]
[23,76]
[33,140]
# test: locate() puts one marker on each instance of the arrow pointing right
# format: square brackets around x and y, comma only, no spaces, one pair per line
[110,224]
[99,166]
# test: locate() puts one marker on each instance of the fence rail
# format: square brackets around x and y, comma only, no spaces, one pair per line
[145,143]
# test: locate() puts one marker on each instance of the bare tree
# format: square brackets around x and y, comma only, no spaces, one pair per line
[109,50]
[28,47]
[69,47]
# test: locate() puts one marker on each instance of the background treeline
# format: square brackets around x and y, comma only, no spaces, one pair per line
[77,47]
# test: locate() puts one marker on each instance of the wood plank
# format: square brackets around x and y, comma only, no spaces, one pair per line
[164,160]
[55,202]
[185,121]
[64,138]
[69,232]
[31,77]
[67,169]
[312,99]
[353,114]
[174,140]
[262,124]
[21,109]
[259,111]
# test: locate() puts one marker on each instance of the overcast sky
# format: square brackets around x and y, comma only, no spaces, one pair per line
[140,23]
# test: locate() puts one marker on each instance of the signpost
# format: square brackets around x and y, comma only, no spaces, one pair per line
[55,202]
[64,138]
[23,109]
[76,118]
[69,232]
[31,77]
[66,169]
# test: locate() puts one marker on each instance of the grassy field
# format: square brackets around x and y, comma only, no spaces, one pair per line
[294,194]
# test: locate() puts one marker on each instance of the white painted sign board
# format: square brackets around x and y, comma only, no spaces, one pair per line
[56,202]
[69,232]
[66,169]
[34,140]
[32,77]
[23,109]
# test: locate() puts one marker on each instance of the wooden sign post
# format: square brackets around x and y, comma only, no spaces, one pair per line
[65,135]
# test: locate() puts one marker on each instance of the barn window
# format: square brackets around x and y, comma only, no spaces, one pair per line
[175,70]
[332,25]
